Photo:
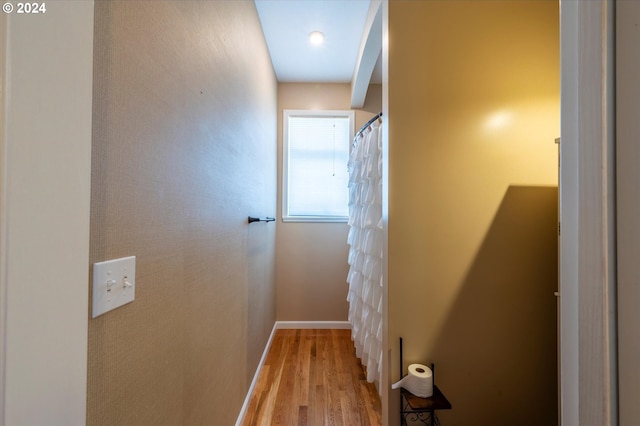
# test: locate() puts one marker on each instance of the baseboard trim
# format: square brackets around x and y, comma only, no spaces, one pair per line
[336,325]
[285,325]
[247,398]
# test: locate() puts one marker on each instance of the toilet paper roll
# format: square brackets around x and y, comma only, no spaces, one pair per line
[418,381]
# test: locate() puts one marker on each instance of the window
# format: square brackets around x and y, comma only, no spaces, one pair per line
[315,157]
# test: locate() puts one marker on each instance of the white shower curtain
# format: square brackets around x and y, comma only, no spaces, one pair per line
[365,252]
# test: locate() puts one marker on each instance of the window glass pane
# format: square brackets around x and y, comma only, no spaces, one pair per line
[318,149]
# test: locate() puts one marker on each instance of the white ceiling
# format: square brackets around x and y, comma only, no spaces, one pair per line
[286,25]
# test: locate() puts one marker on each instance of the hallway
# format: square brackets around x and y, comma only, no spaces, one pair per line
[312,377]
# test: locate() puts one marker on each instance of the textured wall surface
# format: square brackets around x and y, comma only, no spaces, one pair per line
[184,149]
[312,263]
[628,210]
[473,114]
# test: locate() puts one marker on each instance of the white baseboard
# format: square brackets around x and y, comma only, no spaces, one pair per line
[247,398]
[336,325]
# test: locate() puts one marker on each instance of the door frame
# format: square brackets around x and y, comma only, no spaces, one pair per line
[44,213]
[587,213]
[3,221]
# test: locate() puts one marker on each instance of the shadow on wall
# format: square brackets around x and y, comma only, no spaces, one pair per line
[496,352]
[261,274]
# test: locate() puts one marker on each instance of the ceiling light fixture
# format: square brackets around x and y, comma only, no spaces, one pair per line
[316,38]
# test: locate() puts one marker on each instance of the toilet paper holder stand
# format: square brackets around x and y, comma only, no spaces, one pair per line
[422,410]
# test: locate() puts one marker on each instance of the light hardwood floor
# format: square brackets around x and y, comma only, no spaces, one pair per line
[313,378]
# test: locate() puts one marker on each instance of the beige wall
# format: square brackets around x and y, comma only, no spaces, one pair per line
[184,149]
[311,266]
[628,197]
[473,114]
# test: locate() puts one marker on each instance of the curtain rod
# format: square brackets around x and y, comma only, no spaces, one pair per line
[368,123]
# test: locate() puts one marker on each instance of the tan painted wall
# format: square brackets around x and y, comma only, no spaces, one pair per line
[628,198]
[184,149]
[311,262]
[472,203]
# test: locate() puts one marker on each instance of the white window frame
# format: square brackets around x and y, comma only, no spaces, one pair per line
[287,113]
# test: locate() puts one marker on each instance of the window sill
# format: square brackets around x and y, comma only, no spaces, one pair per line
[319,219]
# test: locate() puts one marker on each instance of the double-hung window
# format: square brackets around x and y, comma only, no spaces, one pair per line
[315,156]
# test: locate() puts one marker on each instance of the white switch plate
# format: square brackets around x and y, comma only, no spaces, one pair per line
[114,284]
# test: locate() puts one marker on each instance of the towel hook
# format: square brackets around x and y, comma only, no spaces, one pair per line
[258,219]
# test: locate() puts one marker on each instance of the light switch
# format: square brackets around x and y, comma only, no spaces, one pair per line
[114,284]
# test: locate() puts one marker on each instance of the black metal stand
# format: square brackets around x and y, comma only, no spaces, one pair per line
[421,410]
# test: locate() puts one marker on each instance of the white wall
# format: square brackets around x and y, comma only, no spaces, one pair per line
[46,143]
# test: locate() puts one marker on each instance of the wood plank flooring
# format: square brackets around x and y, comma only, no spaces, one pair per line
[313,378]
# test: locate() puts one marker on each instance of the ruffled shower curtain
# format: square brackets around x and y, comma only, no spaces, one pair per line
[365,249]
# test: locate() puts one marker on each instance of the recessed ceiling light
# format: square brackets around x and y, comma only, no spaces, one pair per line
[316,38]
